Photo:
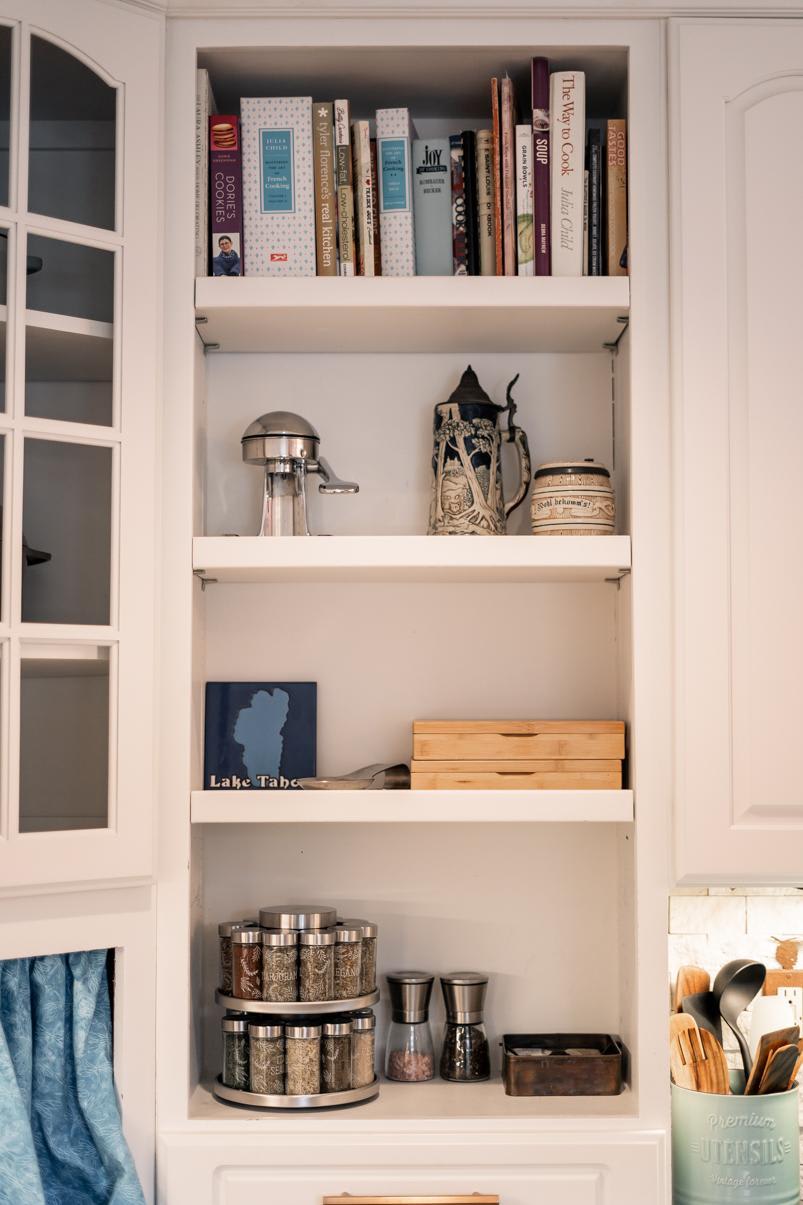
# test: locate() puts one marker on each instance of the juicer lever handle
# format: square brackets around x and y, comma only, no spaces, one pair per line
[332,484]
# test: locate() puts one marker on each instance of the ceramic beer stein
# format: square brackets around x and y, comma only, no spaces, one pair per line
[467,496]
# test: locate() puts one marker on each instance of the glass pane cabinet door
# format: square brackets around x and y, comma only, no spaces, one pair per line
[79,295]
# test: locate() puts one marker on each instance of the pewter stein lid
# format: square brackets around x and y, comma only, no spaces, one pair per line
[464,996]
[470,390]
[589,467]
[410,992]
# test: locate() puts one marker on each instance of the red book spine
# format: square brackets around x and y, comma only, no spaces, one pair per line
[540,96]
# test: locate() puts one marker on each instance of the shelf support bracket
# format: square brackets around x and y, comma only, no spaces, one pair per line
[613,344]
[617,580]
[203,579]
[201,320]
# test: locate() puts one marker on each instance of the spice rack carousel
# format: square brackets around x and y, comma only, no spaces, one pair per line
[289,1053]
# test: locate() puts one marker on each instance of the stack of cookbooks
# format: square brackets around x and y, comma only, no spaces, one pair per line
[291,186]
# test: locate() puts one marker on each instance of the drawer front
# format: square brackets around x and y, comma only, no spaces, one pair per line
[559,1169]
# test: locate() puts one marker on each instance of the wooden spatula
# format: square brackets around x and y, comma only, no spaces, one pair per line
[685,1056]
[767,1045]
[779,1069]
[793,1076]
[689,981]
[680,1022]
[712,1073]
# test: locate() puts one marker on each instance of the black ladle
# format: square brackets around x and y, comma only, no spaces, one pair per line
[735,987]
[704,1008]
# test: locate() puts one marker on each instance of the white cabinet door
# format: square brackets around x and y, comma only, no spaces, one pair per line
[737,173]
[80,286]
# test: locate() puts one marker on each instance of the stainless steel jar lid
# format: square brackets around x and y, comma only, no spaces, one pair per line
[360,1023]
[233,1025]
[297,916]
[266,1031]
[227,927]
[346,935]
[279,937]
[410,993]
[246,937]
[369,929]
[317,937]
[336,1029]
[294,1032]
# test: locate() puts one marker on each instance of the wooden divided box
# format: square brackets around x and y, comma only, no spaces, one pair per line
[551,755]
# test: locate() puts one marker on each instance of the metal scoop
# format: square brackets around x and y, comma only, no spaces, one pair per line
[376,777]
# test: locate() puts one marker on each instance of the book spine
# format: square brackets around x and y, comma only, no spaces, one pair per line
[524,199]
[204,108]
[278,187]
[485,203]
[432,206]
[375,210]
[595,265]
[541,216]
[470,187]
[509,176]
[459,239]
[364,222]
[567,110]
[226,196]
[393,138]
[616,197]
[585,222]
[324,161]
[496,146]
[345,189]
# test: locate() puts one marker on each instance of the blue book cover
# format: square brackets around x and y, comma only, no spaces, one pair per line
[259,735]
[432,206]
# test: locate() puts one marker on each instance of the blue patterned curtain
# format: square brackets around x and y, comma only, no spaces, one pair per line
[60,1137]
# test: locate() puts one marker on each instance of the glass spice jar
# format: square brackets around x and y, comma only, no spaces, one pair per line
[235,1053]
[266,1047]
[279,965]
[225,931]
[465,1057]
[348,962]
[363,1049]
[246,964]
[370,932]
[316,965]
[303,1059]
[336,1056]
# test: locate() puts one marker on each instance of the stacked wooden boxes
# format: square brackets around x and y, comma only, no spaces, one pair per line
[552,755]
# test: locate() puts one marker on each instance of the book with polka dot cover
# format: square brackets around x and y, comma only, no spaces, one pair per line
[278,189]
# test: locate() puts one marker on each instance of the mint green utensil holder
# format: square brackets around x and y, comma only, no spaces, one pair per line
[735,1150]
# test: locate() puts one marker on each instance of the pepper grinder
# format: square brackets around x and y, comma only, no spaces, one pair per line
[410,1057]
[465,1057]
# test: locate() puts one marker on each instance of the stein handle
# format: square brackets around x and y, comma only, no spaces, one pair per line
[518,437]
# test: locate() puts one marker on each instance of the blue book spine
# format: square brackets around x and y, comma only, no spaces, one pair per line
[432,206]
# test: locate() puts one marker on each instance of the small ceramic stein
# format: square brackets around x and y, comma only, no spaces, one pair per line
[467,495]
[572,498]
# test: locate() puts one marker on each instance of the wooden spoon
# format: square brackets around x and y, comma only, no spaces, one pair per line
[793,1076]
[767,1045]
[712,1074]
[779,1068]
[689,981]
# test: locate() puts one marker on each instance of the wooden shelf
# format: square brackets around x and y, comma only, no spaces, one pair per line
[411,558]
[411,807]
[405,1106]
[406,314]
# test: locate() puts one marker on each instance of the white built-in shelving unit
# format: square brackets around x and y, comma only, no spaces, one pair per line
[557,894]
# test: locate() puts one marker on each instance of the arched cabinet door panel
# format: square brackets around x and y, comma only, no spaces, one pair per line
[80,285]
[737,109]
